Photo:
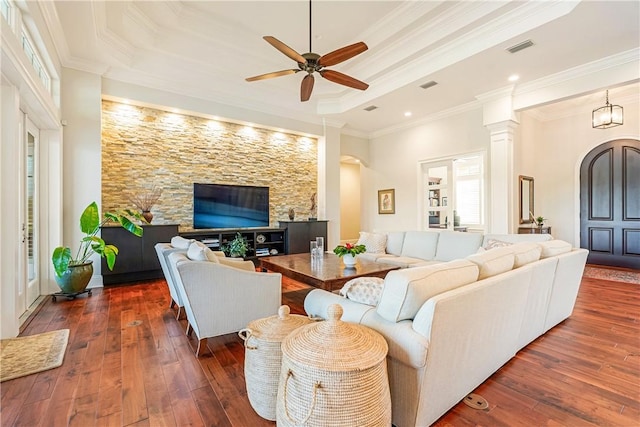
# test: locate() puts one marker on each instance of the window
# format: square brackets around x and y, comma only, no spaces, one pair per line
[5,8]
[34,58]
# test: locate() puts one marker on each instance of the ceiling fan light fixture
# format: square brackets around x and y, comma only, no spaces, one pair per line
[607,116]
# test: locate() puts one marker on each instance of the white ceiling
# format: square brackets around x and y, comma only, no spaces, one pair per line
[206,49]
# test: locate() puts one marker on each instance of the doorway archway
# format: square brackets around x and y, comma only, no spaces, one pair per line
[610,204]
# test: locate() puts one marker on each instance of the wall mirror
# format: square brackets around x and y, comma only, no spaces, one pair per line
[526,199]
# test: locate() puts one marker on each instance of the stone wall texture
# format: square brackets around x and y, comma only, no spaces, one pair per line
[145,147]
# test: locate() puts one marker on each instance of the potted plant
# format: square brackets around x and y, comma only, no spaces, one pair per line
[73,273]
[237,248]
[540,221]
[348,253]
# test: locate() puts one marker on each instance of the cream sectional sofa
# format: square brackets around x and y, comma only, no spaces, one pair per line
[460,312]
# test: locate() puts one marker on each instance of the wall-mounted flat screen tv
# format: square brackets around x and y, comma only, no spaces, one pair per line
[230,206]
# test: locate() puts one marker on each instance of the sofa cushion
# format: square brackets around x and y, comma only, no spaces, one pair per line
[516,238]
[395,240]
[237,263]
[198,251]
[554,247]
[374,242]
[525,253]
[420,244]
[494,243]
[400,261]
[455,245]
[406,290]
[365,290]
[180,242]
[492,262]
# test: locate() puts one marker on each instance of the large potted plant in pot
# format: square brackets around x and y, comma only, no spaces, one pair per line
[73,273]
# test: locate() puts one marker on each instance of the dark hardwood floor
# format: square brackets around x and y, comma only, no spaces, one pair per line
[129,363]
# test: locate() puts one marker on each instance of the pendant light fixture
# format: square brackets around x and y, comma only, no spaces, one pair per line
[607,116]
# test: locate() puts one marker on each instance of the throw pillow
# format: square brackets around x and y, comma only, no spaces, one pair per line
[365,290]
[405,291]
[554,248]
[198,251]
[493,262]
[493,243]
[374,242]
[180,242]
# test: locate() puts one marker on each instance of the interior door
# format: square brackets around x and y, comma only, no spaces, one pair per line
[438,198]
[610,204]
[29,217]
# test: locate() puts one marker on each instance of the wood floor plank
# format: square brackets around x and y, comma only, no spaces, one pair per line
[129,363]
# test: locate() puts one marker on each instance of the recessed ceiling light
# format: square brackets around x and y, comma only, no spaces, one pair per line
[514,78]
[407,114]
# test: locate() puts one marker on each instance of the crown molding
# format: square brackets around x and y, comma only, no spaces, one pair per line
[507,26]
[121,49]
[450,112]
[613,61]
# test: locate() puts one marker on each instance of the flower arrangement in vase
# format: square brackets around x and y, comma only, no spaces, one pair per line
[348,253]
[145,200]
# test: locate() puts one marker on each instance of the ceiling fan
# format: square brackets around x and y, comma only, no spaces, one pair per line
[312,62]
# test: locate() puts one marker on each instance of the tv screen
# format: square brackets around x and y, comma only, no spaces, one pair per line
[230,206]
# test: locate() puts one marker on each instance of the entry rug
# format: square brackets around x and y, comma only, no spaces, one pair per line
[627,276]
[31,354]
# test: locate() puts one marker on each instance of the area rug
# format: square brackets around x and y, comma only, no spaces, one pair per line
[627,276]
[31,354]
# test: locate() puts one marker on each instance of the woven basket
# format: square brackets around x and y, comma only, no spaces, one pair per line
[334,374]
[263,358]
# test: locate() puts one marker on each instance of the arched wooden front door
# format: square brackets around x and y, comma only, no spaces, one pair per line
[610,204]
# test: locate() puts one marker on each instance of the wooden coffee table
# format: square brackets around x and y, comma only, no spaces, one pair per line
[328,273]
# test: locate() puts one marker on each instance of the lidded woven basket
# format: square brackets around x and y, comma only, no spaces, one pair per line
[263,357]
[334,373]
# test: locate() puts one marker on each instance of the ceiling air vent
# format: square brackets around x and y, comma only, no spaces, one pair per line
[427,85]
[370,108]
[520,46]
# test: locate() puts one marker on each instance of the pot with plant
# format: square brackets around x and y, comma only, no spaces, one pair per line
[236,248]
[348,253]
[73,273]
[540,221]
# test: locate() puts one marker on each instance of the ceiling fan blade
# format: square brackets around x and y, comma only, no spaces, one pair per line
[285,49]
[306,87]
[343,79]
[271,75]
[342,54]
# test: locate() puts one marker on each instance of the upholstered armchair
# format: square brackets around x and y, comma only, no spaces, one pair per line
[164,250]
[180,244]
[220,299]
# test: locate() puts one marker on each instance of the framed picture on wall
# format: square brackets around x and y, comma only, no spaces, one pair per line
[387,201]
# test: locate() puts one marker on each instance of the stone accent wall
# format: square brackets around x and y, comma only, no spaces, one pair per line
[144,147]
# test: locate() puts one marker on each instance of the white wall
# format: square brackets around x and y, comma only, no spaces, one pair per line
[558,148]
[81,106]
[394,162]
[550,152]
[349,201]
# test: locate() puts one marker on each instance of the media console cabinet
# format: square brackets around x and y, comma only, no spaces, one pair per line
[137,258]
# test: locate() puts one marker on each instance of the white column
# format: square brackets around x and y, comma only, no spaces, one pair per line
[501,177]
[10,243]
[329,183]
